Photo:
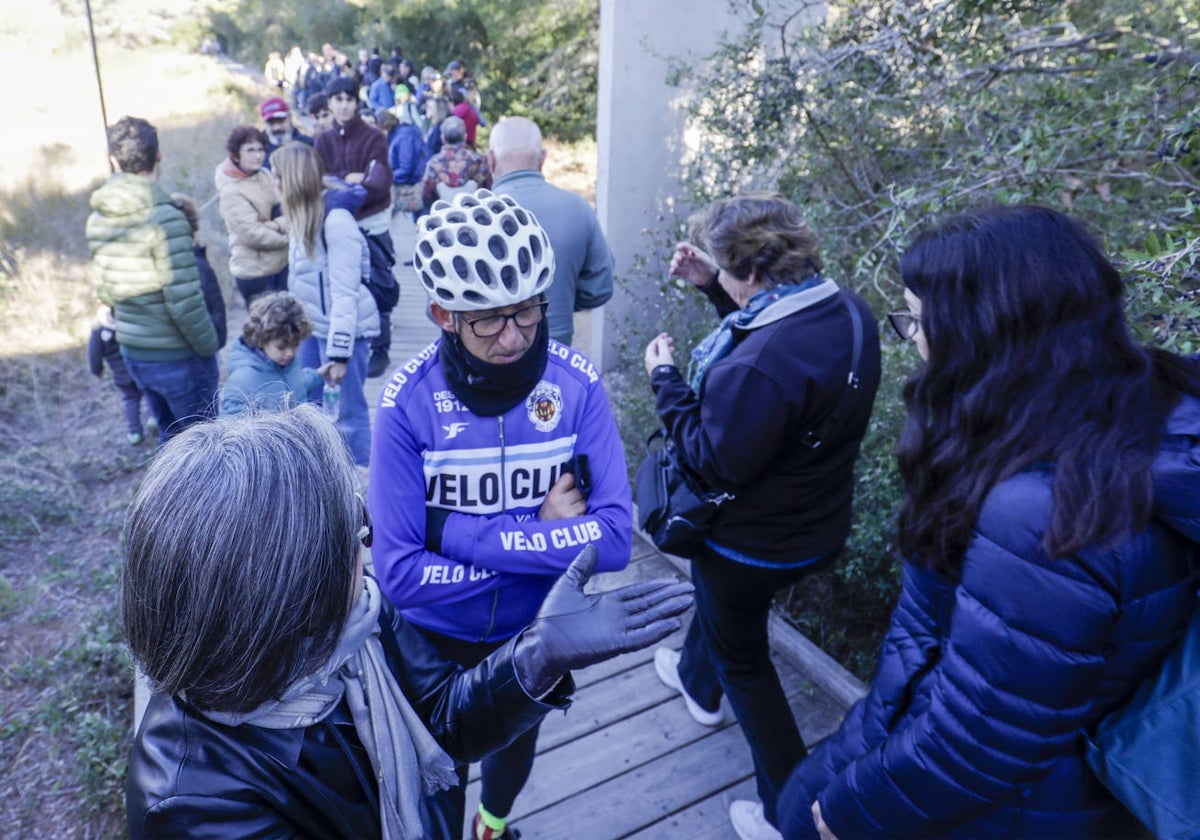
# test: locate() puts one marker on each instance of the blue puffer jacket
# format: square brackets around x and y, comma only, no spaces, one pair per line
[259,384]
[972,724]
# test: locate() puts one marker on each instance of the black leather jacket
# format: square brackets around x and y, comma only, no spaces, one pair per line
[191,777]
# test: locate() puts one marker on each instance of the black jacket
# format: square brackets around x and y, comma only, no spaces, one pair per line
[743,434]
[191,777]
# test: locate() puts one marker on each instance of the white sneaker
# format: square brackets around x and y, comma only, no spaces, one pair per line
[749,822]
[666,665]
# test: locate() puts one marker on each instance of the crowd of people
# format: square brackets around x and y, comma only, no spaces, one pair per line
[1049,538]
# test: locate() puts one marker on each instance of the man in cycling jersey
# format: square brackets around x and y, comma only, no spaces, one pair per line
[495,456]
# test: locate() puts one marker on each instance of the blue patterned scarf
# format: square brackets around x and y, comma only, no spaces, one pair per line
[766,307]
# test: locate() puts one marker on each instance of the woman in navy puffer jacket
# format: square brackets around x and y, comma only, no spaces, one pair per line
[1051,520]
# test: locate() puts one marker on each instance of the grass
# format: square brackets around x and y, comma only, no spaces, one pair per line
[66,471]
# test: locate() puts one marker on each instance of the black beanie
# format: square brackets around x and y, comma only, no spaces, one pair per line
[342,84]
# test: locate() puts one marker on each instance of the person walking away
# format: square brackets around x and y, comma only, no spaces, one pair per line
[249,204]
[265,371]
[476,511]
[406,159]
[583,263]
[456,168]
[210,287]
[328,259]
[104,350]
[144,268]
[772,411]
[358,154]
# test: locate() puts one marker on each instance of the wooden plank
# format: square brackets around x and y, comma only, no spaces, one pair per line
[647,793]
[708,818]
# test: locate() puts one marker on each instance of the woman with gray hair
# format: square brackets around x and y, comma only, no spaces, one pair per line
[291,699]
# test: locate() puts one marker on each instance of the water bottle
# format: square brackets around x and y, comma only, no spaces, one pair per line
[331,401]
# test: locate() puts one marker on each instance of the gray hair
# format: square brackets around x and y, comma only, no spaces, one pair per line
[240,555]
[454,130]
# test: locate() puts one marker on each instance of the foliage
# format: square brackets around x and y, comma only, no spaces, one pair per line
[891,114]
[530,58]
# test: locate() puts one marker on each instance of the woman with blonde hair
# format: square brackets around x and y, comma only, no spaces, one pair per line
[328,259]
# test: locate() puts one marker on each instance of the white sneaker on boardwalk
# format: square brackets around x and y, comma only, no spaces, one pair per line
[749,822]
[666,665]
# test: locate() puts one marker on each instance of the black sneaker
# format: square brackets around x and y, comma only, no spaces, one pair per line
[378,365]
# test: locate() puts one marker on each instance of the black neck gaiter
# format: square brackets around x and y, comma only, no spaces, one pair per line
[489,390]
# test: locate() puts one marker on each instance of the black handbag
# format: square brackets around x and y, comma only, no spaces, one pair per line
[674,506]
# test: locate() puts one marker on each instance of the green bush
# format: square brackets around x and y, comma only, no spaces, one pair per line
[891,115]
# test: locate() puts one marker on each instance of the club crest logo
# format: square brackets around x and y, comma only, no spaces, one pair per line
[544,405]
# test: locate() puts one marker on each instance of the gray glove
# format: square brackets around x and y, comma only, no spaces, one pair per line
[573,630]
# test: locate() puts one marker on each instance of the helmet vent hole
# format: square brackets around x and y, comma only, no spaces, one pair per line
[543,279]
[535,246]
[498,247]
[457,217]
[444,294]
[433,222]
[460,268]
[472,296]
[482,216]
[445,237]
[509,225]
[425,249]
[508,276]
[497,207]
[427,281]
[437,269]
[467,236]
[469,201]
[524,263]
[521,215]
[484,271]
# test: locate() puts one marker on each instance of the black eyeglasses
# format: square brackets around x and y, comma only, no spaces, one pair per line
[905,324]
[490,326]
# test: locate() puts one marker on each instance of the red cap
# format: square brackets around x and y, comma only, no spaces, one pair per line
[273,108]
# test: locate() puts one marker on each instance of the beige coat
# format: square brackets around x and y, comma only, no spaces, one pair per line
[255,250]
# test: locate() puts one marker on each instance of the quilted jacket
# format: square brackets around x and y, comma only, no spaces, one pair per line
[143,267]
[246,203]
[972,726]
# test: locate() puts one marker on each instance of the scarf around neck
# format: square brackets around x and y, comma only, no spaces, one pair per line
[766,307]
[407,762]
[490,390]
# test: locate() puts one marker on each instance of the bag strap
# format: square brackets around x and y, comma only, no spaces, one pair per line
[822,428]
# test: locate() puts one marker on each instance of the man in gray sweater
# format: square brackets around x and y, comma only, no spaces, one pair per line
[583,269]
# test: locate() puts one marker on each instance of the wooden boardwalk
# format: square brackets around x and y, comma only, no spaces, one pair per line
[626,760]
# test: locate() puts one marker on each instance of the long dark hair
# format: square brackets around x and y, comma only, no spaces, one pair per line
[1030,364]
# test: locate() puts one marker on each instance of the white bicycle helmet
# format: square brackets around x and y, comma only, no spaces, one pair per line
[482,251]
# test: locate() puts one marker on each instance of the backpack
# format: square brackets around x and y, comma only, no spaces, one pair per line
[1147,753]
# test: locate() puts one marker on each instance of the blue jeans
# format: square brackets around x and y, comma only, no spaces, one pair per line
[354,418]
[179,393]
[726,652]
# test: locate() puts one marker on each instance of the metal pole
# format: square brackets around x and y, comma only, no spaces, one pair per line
[87,5]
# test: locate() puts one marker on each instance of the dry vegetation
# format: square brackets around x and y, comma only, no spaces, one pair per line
[66,471]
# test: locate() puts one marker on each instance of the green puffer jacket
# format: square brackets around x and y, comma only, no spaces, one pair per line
[143,267]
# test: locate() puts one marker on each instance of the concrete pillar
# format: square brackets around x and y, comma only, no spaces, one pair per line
[640,131]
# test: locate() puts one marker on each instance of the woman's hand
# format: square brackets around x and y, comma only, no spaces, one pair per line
[693,265]
[660,352]
[822,829]
[335,373]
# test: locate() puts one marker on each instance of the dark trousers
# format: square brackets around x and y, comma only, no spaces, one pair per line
[726,653]
[504,772]
[180,393]
[252,287]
